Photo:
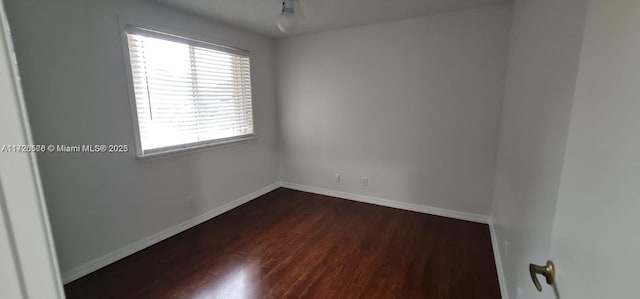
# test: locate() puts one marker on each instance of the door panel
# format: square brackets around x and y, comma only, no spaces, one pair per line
[545,48]
[596,235]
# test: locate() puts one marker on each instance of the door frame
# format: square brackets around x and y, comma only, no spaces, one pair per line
[28,263]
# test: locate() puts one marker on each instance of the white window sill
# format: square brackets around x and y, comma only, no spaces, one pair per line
[195,148]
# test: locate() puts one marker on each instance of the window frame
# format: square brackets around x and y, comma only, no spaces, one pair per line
[150,29]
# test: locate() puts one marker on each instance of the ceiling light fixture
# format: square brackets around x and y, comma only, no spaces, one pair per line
[290,16]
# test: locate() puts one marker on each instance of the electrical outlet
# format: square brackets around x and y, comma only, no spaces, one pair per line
[365,181]
[337,178]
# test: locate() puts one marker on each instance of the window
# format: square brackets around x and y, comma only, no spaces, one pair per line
[188,93]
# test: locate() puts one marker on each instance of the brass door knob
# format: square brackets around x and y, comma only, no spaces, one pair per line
[548,271]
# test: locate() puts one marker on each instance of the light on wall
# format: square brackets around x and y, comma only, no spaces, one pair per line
[290,15]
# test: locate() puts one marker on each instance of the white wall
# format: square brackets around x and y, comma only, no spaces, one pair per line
[595,234]
[413,105]
[543,61]
[72,64]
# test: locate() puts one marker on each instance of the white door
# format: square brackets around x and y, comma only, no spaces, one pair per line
[596,235]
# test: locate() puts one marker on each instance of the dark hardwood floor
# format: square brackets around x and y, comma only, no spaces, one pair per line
[290,244]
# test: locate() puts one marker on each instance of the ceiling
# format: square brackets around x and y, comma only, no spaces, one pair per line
[260,15]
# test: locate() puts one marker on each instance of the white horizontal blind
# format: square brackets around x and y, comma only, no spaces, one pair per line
[187,92]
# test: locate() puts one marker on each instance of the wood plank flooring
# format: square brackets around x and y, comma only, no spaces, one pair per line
[291,244]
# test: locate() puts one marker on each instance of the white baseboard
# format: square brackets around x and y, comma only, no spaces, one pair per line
[391,203]
[121,253]
[498,259]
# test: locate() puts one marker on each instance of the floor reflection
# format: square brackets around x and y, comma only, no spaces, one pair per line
[237,284]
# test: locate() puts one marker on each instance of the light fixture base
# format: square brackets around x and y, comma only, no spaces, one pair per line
[290,16]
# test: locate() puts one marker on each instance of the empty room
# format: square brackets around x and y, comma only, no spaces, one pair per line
[241,149]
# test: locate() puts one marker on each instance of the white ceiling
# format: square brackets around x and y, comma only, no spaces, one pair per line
[260,15]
